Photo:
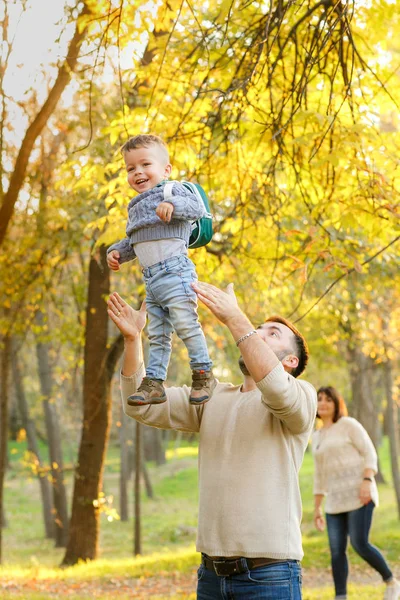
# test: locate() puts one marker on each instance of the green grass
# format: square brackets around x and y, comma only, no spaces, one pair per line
[169,526]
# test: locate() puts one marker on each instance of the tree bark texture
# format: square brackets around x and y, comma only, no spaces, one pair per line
[137,541]
[54,440]
[147,480]
[393,431]
[365,408]
[124,467]
[33,446]
[35,128]
[153,445]
[100,363]
[4,391]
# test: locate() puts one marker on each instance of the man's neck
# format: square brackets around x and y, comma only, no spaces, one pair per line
[248,384]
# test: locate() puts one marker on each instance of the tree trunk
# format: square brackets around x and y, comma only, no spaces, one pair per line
[137,542]
[147,480]
[393,431]
[153,445]
[364,407]
[39,122]
[33,445]
[14,422]
[132,462]
[124,467]
[4,390]
[99,367]
[54,440]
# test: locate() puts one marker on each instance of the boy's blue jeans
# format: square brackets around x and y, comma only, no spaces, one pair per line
[278,581]
[356,524]
[172,304]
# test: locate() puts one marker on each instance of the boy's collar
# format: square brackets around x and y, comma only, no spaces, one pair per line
[163,182]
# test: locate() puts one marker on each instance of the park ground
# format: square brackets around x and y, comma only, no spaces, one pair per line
[167,568]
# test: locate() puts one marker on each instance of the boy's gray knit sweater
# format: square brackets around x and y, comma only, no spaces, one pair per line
[144,225]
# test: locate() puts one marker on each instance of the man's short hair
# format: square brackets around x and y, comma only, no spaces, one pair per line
[300,345]
[146,141]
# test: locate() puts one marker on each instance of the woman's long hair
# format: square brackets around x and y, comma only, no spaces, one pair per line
[340,405]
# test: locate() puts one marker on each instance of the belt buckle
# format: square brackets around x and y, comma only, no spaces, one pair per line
[231,568]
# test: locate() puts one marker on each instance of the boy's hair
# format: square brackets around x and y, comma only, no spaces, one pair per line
[146,141]
[300,344]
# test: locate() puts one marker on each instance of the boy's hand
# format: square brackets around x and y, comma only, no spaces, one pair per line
[112,260]
[165,210]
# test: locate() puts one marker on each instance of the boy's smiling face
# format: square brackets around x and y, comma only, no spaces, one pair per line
[146,167]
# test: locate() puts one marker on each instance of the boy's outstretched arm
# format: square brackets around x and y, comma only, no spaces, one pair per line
[125,252]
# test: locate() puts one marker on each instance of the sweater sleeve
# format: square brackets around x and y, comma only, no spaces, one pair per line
[125,249]
[292,401]
[186,205]
[176,413]
[361,440]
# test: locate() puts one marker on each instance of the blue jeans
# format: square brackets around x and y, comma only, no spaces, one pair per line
[277,581]
[356,524]
[172,304]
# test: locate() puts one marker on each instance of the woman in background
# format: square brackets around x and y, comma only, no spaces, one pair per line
[345,464]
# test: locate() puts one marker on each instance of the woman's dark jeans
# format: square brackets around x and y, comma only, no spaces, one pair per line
[356,524]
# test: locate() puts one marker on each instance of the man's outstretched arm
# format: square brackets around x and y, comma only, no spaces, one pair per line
[130,322]
[259,358]
[176,413]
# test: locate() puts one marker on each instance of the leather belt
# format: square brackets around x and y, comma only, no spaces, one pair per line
[224,567]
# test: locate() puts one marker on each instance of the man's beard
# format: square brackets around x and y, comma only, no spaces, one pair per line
[243,367]
[280,354]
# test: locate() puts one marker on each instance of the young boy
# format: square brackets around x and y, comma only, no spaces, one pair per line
[158,232]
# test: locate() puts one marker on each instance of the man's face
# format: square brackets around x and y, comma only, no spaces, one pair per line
[278,337]
[146,167]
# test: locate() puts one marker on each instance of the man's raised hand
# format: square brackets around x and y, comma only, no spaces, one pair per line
[223,304]
[129,321]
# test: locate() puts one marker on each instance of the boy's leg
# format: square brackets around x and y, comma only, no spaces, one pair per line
[184,317]
[159,330]
[171,289]
[151,390]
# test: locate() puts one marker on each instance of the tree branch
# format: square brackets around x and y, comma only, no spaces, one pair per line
[39,122]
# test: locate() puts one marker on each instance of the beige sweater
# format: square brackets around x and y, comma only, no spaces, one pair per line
[341,453]
[250,451]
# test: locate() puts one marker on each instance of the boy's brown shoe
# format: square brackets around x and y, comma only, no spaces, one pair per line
[150,391]
[203,384]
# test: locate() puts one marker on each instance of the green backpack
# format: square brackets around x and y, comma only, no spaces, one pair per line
[202,229]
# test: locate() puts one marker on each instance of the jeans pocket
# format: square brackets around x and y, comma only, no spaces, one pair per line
[200,572]
[273,575]
[175,265]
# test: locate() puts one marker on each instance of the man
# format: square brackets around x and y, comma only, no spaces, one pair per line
[251,446]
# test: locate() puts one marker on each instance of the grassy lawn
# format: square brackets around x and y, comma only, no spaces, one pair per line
[169,526]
